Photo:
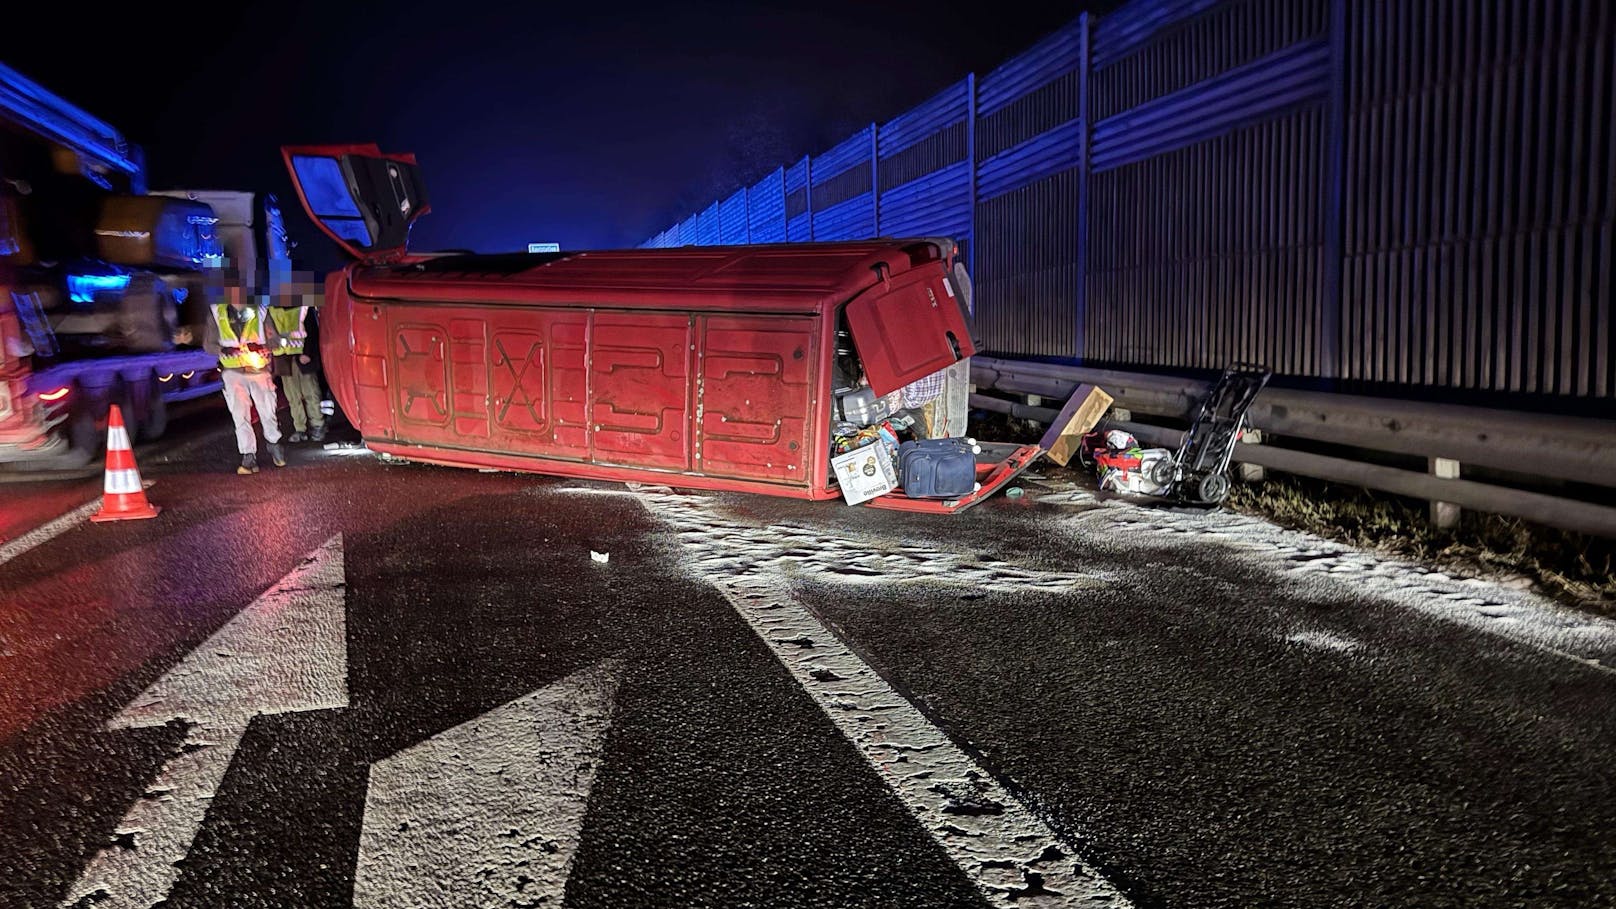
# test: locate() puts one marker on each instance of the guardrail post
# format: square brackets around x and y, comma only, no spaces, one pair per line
[1444,515]
[1252,473]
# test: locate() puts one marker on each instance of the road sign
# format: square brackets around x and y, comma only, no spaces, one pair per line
[543,247]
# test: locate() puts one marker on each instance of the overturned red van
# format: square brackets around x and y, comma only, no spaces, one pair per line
[699,367]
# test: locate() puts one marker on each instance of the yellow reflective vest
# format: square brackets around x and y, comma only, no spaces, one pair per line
[243,349]
[289,331]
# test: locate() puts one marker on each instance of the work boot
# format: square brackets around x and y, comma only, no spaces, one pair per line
[297,437]
[277,455]
[317,433]
[249,464]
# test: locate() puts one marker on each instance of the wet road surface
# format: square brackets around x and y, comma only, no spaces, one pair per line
[352,682]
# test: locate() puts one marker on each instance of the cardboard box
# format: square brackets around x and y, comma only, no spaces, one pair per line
[865,473]
[1082,412]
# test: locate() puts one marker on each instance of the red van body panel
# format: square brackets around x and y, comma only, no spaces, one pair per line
[707,367]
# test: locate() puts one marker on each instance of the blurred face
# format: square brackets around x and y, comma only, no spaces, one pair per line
[236,297]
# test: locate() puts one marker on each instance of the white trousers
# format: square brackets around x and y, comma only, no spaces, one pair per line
[242,392]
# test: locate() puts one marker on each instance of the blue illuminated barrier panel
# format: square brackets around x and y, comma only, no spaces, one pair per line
[1371,195]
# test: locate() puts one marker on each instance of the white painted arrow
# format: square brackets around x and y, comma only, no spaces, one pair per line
[487,813]
[285,652]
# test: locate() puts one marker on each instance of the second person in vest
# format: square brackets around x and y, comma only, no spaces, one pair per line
[300,377]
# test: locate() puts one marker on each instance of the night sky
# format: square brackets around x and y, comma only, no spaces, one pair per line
[593,125]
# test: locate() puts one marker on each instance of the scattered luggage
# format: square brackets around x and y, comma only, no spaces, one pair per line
[938,468]
[1124,467]
[1197,473]
[866,471]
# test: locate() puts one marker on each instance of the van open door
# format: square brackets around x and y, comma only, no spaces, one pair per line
[361,198]
[907,328]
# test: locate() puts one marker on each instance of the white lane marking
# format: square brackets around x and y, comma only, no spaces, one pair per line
[719,545]
[47,532]
[287,651]
[488,813]
[1012,856]
[1321,570]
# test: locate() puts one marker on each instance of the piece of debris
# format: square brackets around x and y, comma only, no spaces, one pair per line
[601,557]
[1082,413]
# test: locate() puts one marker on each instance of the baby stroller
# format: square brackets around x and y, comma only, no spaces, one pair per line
[1198,472]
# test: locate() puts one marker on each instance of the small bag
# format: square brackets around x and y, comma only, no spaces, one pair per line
[937,468]
[1136,470]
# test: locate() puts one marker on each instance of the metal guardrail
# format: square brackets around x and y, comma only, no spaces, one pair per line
[1570,449]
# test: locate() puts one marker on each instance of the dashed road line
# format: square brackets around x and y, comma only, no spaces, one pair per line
[47,532]
[1012,856]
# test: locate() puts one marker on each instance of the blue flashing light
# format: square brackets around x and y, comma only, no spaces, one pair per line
[83,288]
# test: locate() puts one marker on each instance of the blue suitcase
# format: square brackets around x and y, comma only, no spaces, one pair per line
[937,468]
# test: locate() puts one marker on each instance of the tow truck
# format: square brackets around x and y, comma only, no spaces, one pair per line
[104,285]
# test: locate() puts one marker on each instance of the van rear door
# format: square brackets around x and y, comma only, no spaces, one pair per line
[363,199]
[909,327]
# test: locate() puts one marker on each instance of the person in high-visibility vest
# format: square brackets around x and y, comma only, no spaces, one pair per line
[239,334]
[300,378]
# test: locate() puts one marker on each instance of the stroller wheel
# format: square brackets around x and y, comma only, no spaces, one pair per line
[1213,489]
[1160,473]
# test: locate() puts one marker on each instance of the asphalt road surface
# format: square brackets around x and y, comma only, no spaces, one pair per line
[352,682]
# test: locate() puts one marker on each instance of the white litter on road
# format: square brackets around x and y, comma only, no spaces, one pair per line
[1316,569]
[488,813]
[287,651]
[585,491]
[1324,640]
[1011,855]
[599,557]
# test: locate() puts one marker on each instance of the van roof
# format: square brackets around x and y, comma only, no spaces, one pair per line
[785,278]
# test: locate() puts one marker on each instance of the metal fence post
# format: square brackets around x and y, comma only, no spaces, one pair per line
[808,192]
[875,180]
[1080,329]
[970,156]
[1334,202]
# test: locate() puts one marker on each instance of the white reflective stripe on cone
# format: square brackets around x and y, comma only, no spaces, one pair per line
[122,481]
[118,437]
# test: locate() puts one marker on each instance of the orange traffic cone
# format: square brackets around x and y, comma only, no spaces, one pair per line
[123,498]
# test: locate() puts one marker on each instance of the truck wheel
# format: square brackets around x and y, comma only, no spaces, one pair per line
[155,421]
[124,397]
[83,436]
